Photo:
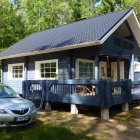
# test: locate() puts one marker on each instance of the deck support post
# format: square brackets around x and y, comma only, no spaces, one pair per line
[74,109]
[125,107]
[47,106]
[105,113]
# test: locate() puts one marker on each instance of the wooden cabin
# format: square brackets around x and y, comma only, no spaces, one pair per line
[92,62]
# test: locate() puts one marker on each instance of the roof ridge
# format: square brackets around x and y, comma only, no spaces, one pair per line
[73,22]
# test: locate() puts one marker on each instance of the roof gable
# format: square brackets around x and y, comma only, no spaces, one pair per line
[82,33]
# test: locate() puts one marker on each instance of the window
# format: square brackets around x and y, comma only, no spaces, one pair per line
[85,69]
[47,69]
[16,71]
[137,66]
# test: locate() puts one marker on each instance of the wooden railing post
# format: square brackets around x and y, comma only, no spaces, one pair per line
[47,84]
[128,96]
[129,85]
[108,93]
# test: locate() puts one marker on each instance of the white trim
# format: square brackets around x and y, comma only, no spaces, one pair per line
[135,26]
[82,60]
[116,26]
[85,44]
[10,71]
[136,69]
[37,68]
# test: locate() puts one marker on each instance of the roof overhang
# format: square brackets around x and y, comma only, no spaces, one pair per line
[75,46]
[130,17]
[133,24]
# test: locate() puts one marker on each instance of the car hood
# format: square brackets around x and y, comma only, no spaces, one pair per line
[14,103]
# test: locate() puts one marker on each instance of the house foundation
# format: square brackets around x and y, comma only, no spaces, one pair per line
[74,109]
[104,113]
[125,107]
[47,106]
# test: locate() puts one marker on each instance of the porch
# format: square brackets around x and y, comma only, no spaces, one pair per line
[100,93]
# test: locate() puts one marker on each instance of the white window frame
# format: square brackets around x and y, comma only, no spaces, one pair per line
[10,69]
[83,60]
[37,69]
[136,66]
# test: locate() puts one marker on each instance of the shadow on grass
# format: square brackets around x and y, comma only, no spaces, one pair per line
[39,131]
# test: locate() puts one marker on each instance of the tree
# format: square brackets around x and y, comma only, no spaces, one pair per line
[10,26]
[114,5]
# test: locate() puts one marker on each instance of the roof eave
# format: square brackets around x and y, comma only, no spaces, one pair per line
[75,46]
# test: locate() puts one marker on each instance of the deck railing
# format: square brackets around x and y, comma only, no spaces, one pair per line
[103,93]
[135,90]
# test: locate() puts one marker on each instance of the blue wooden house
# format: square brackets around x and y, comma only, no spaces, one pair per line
[92,61]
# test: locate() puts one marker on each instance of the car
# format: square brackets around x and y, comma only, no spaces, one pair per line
[15,110]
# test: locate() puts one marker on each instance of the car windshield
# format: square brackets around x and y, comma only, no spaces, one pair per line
[7,92]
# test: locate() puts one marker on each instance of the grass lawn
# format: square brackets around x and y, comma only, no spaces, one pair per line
[39,131]
[60,125]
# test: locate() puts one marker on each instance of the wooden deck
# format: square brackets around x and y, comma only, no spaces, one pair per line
[101,93]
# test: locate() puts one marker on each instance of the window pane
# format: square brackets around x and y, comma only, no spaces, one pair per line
[42,70]
[80,63]
[47,75]
[85,69]
[47,65]
[80,69]
[47,69]
[85,64]
[42,75]
[20,67]
[17,71]
[20,71]
[20,75]
[53,69]
[53,64]
[42,65]
[91,65]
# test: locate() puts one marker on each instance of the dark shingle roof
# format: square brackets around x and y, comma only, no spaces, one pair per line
[82,31]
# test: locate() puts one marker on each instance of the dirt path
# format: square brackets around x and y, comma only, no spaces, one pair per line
[123,126]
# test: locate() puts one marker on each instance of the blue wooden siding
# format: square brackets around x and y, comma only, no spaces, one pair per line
[63,68]
[15,84]
[66,61]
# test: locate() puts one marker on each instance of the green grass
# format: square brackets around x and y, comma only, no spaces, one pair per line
[39,131]
[126,117]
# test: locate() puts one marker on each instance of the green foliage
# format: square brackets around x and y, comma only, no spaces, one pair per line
[11,29]
[115,5]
